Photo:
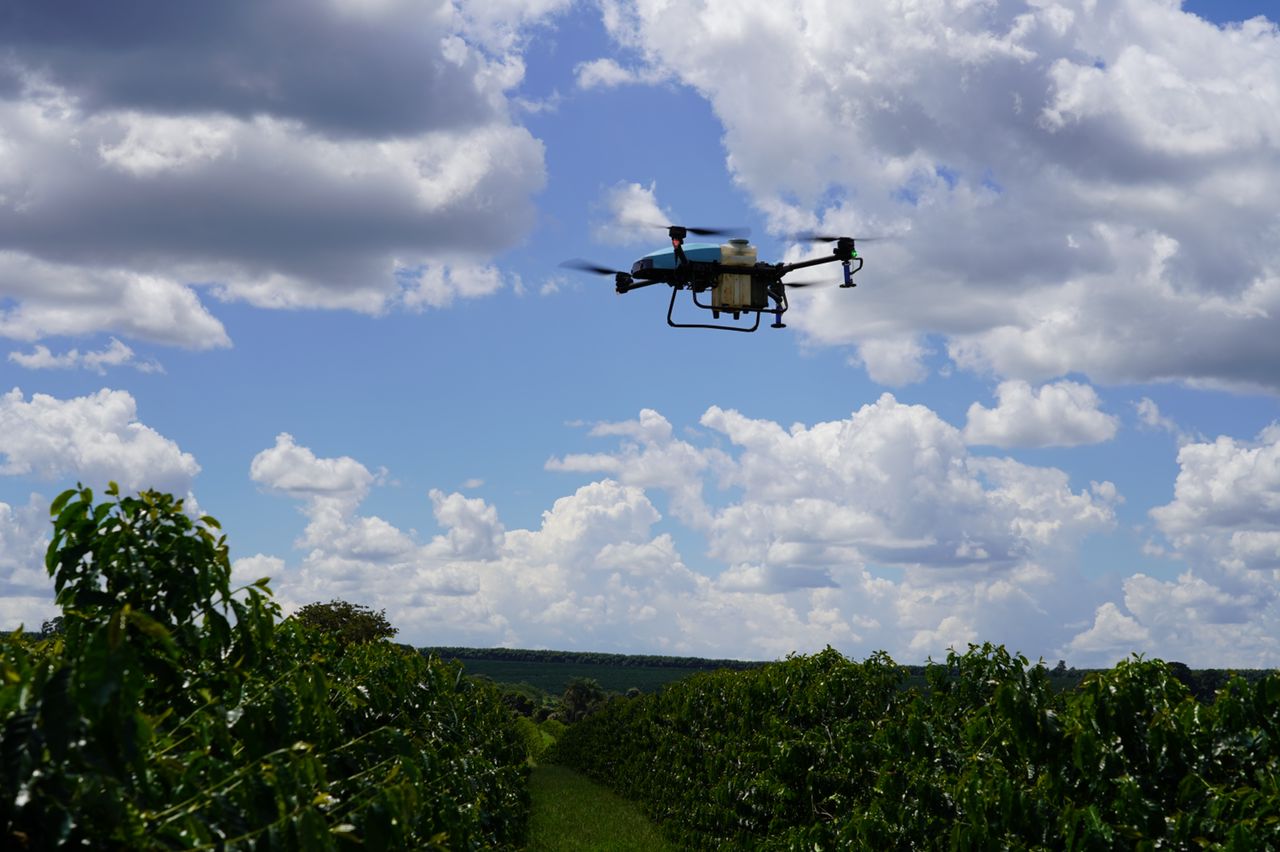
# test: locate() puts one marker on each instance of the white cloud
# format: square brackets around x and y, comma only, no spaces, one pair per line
[605,73]
[894,361]
[26,590]
[1224,524]
[1225,485]
[24,537]
[92,438]
[892,485]
[57,298]
[650,458]
[1071,186]
[436,286]
[116,354]
[632,215]
[1112,636]
[250,569]
[500,25]
[1150,416]
[313,191]
[1062,414]
[879,531]
[296,471]
[474,529]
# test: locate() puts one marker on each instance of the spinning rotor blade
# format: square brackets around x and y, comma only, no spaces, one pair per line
[811,283]
[588,266]
[811,237]
[733,231]
[720,232]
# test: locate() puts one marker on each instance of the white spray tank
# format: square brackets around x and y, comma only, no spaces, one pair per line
[733,292]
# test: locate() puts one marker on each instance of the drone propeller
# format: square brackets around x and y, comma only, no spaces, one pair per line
[811,237]
[588,266]
[679,231]
[811,282]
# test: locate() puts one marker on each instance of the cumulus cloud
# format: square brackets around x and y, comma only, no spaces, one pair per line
[1112,636]
[630,214]
[893,361]
[893,485]
[290,469]
[877,531]
[650,458]
[502,25]
[26,591]
[437,286]
[67,298]
[1071,187]
[92,438]
[1224,524]
[150,155]
[250,569]
[116,354]
[1225,485]
[1062,414]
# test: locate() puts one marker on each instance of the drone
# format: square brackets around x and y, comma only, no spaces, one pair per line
[737,282]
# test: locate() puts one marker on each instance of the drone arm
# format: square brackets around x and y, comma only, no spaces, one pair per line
[631,284]
[783,268]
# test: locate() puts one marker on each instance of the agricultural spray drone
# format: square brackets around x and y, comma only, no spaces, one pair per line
[738,283]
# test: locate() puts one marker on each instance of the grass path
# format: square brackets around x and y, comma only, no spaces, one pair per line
[573,814]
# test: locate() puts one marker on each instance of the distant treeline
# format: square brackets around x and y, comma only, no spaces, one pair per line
[591,658]
[1202,683]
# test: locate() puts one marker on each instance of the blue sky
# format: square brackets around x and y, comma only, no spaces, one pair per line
[322,299]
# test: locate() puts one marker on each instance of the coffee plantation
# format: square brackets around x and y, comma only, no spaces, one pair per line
[819,752]
[165,710]
[170,712]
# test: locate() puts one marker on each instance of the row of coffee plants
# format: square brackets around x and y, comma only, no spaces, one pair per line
[820,752]
[172,712]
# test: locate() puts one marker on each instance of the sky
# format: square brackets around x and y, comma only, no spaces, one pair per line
[299,263]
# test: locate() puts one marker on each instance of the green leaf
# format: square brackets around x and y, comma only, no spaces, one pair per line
[61,501]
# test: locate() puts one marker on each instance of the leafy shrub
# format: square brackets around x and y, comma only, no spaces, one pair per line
[820,752]
[172,712]
[553,728]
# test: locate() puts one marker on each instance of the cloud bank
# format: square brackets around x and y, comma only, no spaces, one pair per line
[876,531]
[150,157]
[1070,187]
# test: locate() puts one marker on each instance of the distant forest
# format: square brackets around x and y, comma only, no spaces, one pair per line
[1202,683]
[586,658]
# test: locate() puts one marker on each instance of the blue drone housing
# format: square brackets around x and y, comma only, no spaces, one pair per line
[666,258]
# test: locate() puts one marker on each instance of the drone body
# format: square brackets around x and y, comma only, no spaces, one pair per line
[738,282]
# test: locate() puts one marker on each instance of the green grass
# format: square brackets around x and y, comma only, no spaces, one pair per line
[572,814]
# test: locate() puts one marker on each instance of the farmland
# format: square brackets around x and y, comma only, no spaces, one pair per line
[168,710]
[822,752]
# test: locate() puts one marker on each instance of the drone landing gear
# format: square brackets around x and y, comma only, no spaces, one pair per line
[849,273]
[716,311]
